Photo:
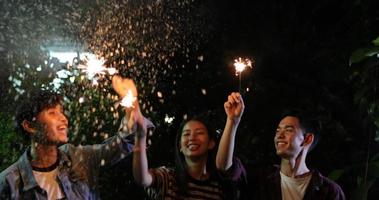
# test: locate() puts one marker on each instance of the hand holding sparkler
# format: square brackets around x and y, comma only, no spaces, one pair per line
[127,90]
[234,107]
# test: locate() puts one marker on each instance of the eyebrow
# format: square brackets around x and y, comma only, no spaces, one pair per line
[184,130]
[286,126]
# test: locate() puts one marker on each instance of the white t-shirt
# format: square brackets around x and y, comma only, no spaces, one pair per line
[48,182]
[294,188]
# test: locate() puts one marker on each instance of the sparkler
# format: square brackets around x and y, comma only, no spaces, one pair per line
[95,68]
[240,65]
[128,100]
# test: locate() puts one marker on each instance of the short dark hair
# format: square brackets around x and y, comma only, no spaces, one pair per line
[32,103]
[308,123]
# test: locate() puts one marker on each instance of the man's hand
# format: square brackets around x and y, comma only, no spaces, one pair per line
[234,107]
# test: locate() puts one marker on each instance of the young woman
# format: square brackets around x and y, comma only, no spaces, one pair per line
[197,173]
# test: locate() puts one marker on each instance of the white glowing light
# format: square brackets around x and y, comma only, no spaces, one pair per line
[241,64]
[64,57]
[128,100]
[168,119]
[94,66]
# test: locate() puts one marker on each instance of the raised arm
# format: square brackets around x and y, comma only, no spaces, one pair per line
[234,108]
[136,122]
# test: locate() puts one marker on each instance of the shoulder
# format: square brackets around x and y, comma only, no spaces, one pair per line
[11,173]
[11,170]
[236,172]
[72,150]
[329,185]
[162,171]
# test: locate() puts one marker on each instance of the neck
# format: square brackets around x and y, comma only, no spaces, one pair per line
[197,168]
[43,156]
[294,167]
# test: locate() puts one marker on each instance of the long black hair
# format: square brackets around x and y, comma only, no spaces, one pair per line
[180,162]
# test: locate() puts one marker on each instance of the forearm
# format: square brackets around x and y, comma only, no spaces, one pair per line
[140,164]
[224,157]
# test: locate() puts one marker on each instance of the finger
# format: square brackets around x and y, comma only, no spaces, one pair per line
[227,104]
[235,97]
[231,99]
[239,97]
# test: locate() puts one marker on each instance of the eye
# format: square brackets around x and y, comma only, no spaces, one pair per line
[186,134]
[51,112]
[289,129]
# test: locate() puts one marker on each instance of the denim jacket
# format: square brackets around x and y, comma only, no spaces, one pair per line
[78,169]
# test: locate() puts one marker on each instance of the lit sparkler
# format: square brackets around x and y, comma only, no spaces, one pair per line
[240,65]
[95,67]
[128,100]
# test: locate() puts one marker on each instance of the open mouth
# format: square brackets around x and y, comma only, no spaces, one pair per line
[281,144]
[62,128]
[193,146]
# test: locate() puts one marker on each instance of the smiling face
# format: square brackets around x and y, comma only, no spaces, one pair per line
[194,140]
[51,126]
[289,138]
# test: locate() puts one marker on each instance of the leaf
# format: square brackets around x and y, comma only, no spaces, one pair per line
[336,174]
[376,41]
[362,53]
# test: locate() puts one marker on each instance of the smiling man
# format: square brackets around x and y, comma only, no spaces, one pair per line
[51,168]
[294,138]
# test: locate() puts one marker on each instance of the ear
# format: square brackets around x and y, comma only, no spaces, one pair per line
[29,127]
[211,144]
[308,139]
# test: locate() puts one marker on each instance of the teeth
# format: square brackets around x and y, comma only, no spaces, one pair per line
[193,146]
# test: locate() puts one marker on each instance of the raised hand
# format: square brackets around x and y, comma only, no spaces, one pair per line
[234,106]
[122,85]
[133,114]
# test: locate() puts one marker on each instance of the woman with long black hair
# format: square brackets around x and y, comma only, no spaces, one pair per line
[198,174]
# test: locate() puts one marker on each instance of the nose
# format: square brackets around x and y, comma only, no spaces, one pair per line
[279,133]
[192,136]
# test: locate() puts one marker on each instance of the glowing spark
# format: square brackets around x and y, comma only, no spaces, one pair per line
[241,65]
[128,100]
[95,67]
[169,119]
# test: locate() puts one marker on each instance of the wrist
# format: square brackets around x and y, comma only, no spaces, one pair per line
[233,120]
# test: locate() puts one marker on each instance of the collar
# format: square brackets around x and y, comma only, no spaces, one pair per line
[315,183]
[26,171]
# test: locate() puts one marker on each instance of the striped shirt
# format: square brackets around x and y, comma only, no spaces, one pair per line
[164,187]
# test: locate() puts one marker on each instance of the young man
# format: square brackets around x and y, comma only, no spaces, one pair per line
[292,180]
[50,168]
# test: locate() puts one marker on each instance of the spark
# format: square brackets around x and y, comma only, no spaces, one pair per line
[128,100]
[241,64]
[169,119]
[94,66]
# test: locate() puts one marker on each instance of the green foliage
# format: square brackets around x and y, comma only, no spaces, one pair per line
[364,78]
[11,143]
